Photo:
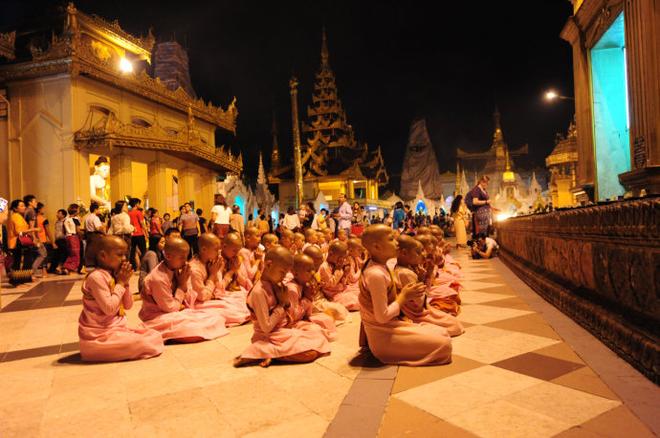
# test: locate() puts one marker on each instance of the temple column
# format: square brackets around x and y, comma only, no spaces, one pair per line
[207,191]
[157,175]
[186,185]
[643,68]
[120,176]
[351,190]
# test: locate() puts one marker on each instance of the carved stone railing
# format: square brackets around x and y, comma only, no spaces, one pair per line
[601,266]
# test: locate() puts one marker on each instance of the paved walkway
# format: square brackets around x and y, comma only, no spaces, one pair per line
[512,375]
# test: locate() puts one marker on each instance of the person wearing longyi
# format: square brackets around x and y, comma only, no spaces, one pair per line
[102,326]
[168,301]
[390,339]
[334,277]
[320,303]
[271,338]
[412,267]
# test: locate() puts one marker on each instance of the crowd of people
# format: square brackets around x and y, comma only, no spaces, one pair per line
[295,283]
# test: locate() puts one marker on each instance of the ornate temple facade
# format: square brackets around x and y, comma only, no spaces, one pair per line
[513,191]
[562,164]
[332,160]
[82,96]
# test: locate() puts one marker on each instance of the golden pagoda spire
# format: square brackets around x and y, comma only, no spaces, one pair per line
[297,159]
[508,175]
[457,188]
[324,50]
[275,154]
[497,135]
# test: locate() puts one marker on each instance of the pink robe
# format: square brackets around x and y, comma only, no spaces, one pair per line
[172,312]
[353,276]
[272,338]
[251,268]
[302,312]
[213,297]
[392,340]
[419,311]
[320,303]
[333,285]
[102,328]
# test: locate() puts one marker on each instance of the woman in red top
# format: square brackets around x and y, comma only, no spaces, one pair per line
[155,228]
[139,236]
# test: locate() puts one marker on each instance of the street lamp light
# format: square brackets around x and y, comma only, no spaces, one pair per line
[551,95]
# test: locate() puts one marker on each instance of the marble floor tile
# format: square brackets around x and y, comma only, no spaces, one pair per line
[616,423]
[506,420]
[477,285]
[560,351]
[561,403]
[402,420]
[312,426]
[584,379]
[99,423]
[411,377]
[493,380]
[533,324]
[482,314]
[539,366]
[500,348]
[474,297]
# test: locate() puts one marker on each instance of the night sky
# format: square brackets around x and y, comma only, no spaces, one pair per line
[394,61]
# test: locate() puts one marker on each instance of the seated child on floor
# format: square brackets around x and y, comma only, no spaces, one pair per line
[342,236]
[253,253]
[234,282]
[391,339]
[444,289]
[269,241]
[320,303]
[102,327]
[286,239]
[334,277]
[272,339]
[168,301]
[300,295]
[412,267]
[311,238]
[355,260]
[298,242]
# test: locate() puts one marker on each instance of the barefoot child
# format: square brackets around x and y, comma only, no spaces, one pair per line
[272,339]
[102,329]
[234,283]
[168,301]
[334,276]
[390,339]
[412,267]
[320,303]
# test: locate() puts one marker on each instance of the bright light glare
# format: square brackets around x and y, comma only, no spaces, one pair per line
[502,217]
[125,65]
[550,95]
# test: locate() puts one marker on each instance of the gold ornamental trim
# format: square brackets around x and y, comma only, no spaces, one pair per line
[111,132]
[7,42]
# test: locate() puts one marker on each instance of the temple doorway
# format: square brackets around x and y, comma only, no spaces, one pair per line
[610,106]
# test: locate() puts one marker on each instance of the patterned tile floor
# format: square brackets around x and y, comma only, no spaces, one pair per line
[512,375]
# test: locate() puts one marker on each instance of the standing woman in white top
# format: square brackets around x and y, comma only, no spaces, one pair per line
[292,220]
[120,223]
[220,215]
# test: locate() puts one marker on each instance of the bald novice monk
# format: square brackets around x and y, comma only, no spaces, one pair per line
[412,267]
[319,302]
[102,328]
[272,338]
[286,239]
[334,277]
[390,339]
[252,255]
[234,283]
[301,296]
[168,300]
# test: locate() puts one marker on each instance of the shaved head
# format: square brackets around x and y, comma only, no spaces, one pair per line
[209,240]
[251,231]
[280,255]
[338,248]
[315,253]
[408,242]
[374,233]
[232,239]
[302,261]
[176,245]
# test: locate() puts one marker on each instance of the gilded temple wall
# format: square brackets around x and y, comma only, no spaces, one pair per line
[601,266]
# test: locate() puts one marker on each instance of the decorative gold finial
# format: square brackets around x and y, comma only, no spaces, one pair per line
[324,49]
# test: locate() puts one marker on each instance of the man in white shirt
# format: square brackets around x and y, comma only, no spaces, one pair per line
[484,247]
[345,215]
[93,228]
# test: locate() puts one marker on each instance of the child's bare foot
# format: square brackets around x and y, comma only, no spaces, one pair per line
[265,363]
[242,361]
